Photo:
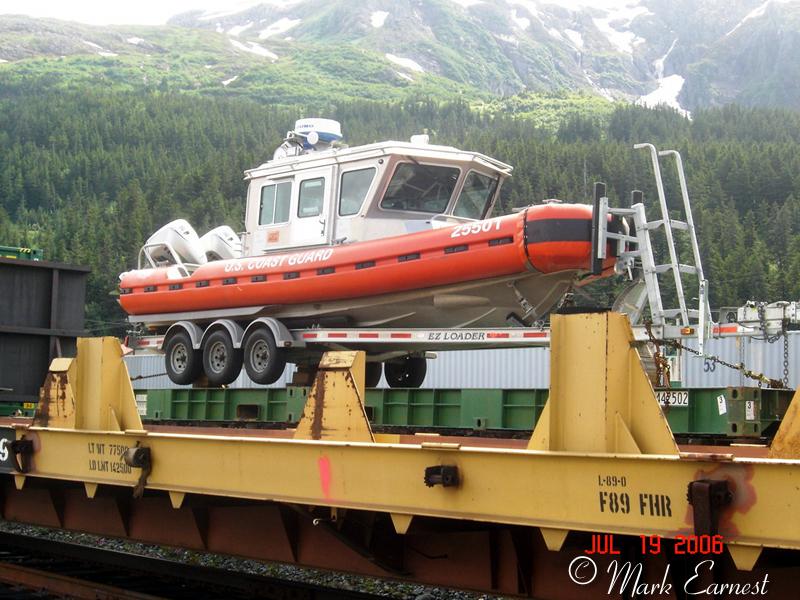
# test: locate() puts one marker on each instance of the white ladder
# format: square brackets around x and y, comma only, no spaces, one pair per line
[683,317]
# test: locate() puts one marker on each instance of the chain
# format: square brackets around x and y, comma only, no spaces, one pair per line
[772,339]
[785,360]
[662,368]
[760,377]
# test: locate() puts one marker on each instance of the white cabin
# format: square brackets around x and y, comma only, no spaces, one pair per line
[342,195]
[312,194]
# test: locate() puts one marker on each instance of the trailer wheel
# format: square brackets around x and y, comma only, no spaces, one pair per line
[221,361]
[184,364]
[372,374]
[263,360]
[408,372]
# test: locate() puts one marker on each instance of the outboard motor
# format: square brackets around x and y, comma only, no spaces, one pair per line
[221,243]
[175,242]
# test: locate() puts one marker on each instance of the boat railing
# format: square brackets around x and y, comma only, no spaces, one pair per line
[185,268]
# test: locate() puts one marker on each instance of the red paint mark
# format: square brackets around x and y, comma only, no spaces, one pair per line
[400,335]
[368,335]
[324,466]
[494,335]
[309,336]
[534,334]
[337,335]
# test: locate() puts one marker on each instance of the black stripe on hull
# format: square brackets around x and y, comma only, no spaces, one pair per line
[567,230]
[558,230]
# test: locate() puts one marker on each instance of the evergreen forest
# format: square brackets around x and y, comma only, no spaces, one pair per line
[87,175]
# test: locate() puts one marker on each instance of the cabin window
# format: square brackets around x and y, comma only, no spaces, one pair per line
[275,199]
[475,196]
[312,193]
[353,191]
[420,188]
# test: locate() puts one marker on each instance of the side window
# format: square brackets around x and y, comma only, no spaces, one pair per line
[275,200]
[353,191]
[312,192]
[475,196]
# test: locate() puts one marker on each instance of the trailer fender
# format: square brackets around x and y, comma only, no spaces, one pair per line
[195,333]
[234,329]
[283,337]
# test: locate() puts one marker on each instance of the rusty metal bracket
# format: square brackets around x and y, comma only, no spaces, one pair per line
[22,450]
[708,498]
[444,475]
[139,457]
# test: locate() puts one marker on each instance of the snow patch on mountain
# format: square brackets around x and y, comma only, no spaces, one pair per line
[658,64]
[404,76]
[669,88]
[255,48]
[100,50]
[406,63]
[604,92]
[227,82]
[508,38]
[574,37]
[555,33]
[280,26]
[531,7]
[622,40]
[466,3]
[236,30]
[2,60]
[378,18]
[615,26]
[753,14]
[134,40]
[521,22]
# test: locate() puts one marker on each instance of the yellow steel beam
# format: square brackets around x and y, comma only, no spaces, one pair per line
[335,406]
[601,399]
[91,391]
[786,443]
[603,460]
[626,494]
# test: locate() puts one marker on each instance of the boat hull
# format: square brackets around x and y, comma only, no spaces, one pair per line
[449,277]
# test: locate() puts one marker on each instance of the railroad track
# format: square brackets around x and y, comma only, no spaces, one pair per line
[32,567]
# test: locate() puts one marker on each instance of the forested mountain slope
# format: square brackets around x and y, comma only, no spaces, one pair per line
[88,175]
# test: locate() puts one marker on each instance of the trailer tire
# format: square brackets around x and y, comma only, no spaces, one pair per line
[222,362]
[183,363]
[372,374]
[409,372]
[264,362]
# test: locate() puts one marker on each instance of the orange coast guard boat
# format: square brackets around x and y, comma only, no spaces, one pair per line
[389,234]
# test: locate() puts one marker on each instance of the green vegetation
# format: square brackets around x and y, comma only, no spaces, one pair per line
[176,59]
[89,175]
[551,110]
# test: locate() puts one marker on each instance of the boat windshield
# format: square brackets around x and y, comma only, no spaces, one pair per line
[475,196]
[420,188]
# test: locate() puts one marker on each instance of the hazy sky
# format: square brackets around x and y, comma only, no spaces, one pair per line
[105,12]
[154,12]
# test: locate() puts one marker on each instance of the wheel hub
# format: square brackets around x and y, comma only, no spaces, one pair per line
[259,356]
[218,357]
[179,358]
